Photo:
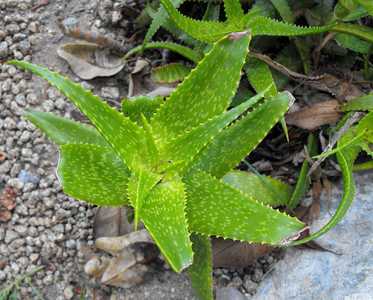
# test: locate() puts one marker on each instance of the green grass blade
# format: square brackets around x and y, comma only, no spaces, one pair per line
[93,174]
[64,131]
[353,43]
[263,189]
[303,181]
[139,187]
[345,158]
[364,102]
[170,73]
[126,138]
[235,142]
[283,8]
[142,105]
[188,53]
[216,209]
[202,95]
[159,19]
[200,272]
[163,215]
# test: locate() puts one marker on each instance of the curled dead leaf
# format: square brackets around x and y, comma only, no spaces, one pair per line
[310,118]
[89,60]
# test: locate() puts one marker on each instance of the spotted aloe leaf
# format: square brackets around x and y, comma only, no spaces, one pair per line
[142,105]
[264,189]
[235,142]
[260,77]
[215,208]
[233,10]
[94,174]
[163,214]
[209,31]
[200,272]
[139,187]
[126,138]
[159,19]
[345,159]
[186,146]
[64,131]
[203,94]
[170,73]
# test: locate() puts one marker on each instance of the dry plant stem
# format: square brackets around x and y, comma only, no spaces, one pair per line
[284,70]
[316,53]
[334,139]
[92,37]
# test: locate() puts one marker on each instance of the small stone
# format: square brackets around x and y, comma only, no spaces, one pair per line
[249,285]
[4,51]
[34,257]
[68,292]
[33,27]
[236,282]
[258,275]
[110,92]
[10,236]
[229,293]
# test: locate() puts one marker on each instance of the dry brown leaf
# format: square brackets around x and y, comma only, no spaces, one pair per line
[229,253]
[7,203]
[89,61]
[311,118]
[111,221]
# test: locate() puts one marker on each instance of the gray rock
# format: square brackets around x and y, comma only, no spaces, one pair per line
[4,49]
[309,274]
[110,92]
[229,293]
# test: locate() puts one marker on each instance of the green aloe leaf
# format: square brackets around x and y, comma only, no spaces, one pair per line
[188,53]
[93,174]
[141,105]
[204,31]
[64,131]
[360,31]
[216,209]
[139,186]
[265,26]
[186,146]
[263,189]
[201,95]
[353,43]
[159,19]
[233,11]
[367,4]
[127,138]
[200,272]
[231,145]
[345,158]
[170,73]
[260,77]
[163,214]
[364,102]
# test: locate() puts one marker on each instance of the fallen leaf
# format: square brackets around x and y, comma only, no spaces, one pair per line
[2,156]
[229,253]
[89,60]
[312,117]
[111,221]
[7,203]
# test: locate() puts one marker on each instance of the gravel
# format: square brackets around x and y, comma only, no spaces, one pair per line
[48,229]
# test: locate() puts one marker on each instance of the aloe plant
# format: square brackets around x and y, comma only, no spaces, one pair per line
[169,164]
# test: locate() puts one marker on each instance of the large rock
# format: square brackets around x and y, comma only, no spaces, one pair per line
[310,274]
